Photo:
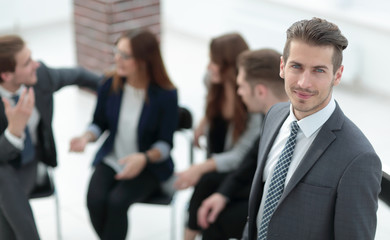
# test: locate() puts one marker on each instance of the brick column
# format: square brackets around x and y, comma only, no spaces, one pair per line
[98,24]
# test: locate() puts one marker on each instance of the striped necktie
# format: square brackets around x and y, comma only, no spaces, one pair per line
[278,179]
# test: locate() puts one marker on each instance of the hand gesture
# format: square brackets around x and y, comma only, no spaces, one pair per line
[188,178]
[78,144]
[199,131]
[134,164]
[19,115]
[209,211]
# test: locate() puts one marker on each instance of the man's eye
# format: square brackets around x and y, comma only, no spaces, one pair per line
[319,70]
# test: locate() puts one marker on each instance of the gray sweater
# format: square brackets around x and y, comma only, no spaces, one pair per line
[233,155]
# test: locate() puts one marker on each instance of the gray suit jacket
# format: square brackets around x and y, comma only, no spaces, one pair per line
[334,192]
[16,218]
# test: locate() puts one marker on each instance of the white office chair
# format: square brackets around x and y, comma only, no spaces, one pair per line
[45,187]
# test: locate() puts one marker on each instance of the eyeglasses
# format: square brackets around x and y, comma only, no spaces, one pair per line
[123,55]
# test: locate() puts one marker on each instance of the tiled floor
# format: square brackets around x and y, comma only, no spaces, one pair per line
[186,58]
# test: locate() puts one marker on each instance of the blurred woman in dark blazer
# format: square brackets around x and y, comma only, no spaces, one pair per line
[137,105]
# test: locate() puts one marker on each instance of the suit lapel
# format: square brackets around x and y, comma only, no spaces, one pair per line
[324,138]
[3,118]
[41,105]
[272,124]
[270,131]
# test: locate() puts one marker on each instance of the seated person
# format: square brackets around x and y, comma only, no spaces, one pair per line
[137,104]
[26,134]
[222,215]
[230,129]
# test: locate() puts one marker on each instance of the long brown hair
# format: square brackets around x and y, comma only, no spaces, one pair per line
[10,45]
[146,50]
[224,51]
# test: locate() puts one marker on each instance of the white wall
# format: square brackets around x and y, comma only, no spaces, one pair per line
[264,22]
[45,25]
[17,15]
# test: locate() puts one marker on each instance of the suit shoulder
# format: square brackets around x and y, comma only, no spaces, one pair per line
[279,107]
[278,110]
[106,83]
[43,72]
[162,93]
[354,135]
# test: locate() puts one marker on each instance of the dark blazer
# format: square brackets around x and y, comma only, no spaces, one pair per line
[13,201]
[158,122]
[334,192]
[49,81]
[240,180]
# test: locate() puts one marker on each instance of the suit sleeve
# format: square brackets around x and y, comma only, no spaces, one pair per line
[245,232]
[169,120]
[167,106]
[242,176]
[357,199]
[8,151]
[99,122]
[61,77]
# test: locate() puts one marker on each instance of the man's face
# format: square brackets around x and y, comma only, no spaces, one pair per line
[309,78]
[246,92]
[25,69]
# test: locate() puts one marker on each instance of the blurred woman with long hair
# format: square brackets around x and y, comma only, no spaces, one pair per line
[229,128]
[137,105]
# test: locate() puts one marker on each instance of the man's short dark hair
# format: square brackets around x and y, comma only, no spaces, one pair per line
[263,67]
[10,45]
[317,32]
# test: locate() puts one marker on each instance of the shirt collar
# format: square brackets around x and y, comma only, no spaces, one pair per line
[312,123]
[7,94]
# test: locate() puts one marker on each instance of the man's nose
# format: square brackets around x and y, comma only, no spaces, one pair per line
[304,80]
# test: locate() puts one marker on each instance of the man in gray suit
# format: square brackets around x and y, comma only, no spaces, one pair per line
[26,135]
[325,183]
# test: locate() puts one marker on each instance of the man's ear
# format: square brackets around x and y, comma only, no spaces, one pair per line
[281,72]
[6,76]
[337,77]
[260,90]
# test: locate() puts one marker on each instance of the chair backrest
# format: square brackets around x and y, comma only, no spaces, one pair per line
[185,119]
[44,185]
[385,185]
[185,123]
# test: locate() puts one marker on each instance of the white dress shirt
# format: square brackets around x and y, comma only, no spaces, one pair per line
[308,130]
[126,136]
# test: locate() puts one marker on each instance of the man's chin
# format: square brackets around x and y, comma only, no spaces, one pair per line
[32,81]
